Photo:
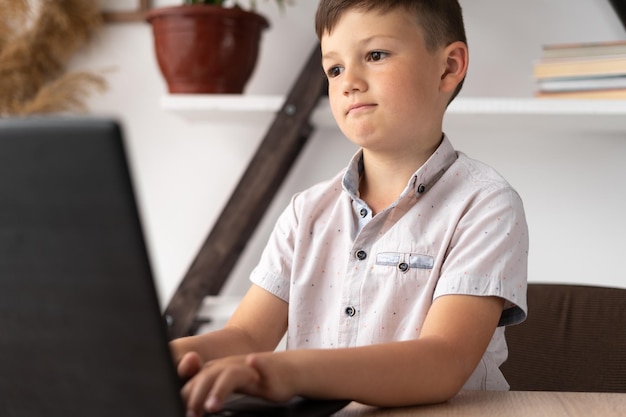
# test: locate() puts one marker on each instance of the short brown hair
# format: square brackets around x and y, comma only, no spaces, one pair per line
[441,20]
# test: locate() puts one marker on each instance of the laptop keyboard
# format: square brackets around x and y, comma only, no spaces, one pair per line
[244,406]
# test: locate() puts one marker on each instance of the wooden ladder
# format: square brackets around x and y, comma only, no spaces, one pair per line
[276,154]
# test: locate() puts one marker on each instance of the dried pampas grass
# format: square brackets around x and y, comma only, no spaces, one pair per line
[65,94]
[37,39]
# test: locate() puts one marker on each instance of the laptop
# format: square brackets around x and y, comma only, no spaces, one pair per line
[81,331]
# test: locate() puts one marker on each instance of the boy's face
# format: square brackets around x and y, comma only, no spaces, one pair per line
[384,86]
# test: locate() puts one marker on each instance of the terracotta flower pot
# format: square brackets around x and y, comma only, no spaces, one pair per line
[206,49]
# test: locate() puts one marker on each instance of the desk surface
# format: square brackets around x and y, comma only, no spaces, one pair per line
[509,404]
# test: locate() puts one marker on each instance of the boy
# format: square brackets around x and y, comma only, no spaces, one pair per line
[393,279]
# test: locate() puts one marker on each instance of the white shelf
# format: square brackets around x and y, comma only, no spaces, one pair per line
[537,106]
[473,112]
[226,108]
[537,114]
[191,103]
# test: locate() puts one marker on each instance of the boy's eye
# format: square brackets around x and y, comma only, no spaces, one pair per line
[333,72]
[376,55]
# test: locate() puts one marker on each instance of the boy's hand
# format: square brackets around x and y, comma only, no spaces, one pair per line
[189,365]
[254,374]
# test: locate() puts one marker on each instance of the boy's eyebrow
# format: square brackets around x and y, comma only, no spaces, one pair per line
[362,42]
[328,55]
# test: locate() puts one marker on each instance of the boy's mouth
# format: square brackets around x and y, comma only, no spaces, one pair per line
[359,107]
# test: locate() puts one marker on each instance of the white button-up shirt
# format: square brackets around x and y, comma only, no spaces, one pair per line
[352,279]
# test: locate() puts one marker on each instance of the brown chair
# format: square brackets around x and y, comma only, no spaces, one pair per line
[574,339]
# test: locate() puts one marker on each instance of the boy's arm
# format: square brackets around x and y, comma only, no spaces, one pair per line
[430,369]
[247,331]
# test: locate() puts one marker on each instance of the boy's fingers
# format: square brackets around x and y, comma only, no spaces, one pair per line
[230,380]
[196,391]
[189,365]
[209,389]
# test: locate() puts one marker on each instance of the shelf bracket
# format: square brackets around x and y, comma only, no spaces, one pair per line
[270,165]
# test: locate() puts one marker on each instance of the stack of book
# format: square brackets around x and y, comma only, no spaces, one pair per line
[582,70]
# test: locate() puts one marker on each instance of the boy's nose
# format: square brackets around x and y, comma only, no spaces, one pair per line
[353,81]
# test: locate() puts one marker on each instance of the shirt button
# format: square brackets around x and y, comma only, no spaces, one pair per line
[421,188]
[363,212]
[403,266]
[361,255]
[350,311]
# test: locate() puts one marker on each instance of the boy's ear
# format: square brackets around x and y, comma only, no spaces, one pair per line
[456,61]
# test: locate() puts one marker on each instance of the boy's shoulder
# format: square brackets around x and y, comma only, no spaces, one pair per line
[478,173]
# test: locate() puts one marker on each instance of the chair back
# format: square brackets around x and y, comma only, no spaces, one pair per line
[574,339]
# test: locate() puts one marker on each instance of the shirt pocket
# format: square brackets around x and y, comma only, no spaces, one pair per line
[404,265]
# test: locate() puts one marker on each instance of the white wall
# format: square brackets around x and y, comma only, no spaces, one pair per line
[185,171]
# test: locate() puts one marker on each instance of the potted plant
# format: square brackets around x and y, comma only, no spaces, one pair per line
[202,46]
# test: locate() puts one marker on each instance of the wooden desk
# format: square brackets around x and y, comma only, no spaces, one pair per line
[506,404]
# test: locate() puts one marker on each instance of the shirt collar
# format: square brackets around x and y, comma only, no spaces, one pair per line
[420,182]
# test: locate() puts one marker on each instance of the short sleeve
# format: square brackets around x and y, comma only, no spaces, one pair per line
[273,271]
[488,254]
